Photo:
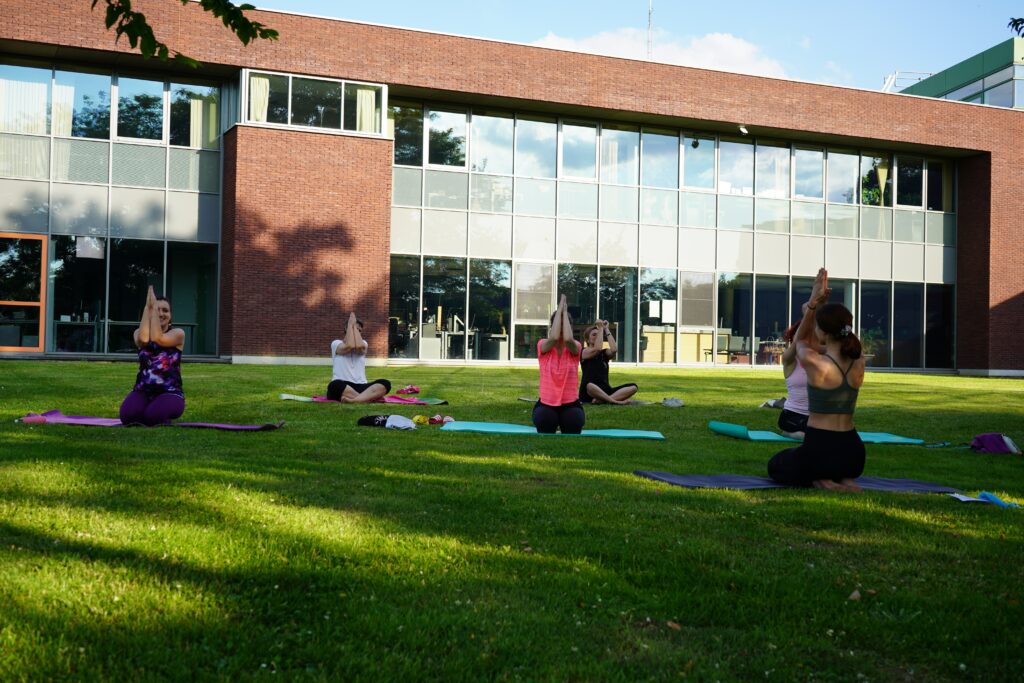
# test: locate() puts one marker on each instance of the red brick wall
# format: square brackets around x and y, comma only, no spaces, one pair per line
[991,182]
[306,231]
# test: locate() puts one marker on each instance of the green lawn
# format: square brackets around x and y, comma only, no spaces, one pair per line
[335,552]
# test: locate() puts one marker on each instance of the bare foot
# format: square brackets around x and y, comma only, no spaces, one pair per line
[344,399]
[594,401]
[623,402]
[828,485]
[851,485]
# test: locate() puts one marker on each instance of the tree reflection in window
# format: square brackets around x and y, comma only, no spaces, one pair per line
[447,138]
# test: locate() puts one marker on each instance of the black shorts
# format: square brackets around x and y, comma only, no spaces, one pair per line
[824,454]
[792,422]
[337,387]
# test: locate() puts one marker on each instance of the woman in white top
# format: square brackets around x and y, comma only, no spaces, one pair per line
[348,381]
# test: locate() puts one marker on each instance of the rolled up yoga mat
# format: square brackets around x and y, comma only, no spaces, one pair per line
[503,428]
[400,400]
[57,417]
[741,432]
[745,482]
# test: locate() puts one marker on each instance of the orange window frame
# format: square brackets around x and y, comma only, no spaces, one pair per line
[42,292]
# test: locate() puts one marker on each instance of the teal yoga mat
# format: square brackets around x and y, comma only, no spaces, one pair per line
[502,428]
[741,432]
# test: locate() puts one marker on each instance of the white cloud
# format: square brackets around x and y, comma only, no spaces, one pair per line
[720,51]
[837,74]
[805,43]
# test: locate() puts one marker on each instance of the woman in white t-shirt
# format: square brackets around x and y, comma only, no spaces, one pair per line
[348,381]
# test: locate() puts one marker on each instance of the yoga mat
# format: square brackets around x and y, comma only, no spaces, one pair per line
[401,400]
[57,417]
[741,432]
[502,428]
[744,482]
[632,402]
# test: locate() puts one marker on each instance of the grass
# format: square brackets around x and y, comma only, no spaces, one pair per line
[329,551]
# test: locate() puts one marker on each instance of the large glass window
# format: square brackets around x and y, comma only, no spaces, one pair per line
[404,307]
[907,322]
[490,309]
[939,327]
[21,290]
[492,143]
[734,314]
[268,98]
[192,289]
[735,167]
[657,315]
[875,319]
[876,180]
[940,186]
[771,318]
[660,156]
[447,138]
[1000,96]
[843,292]
[736,213]
[81,105]
[579,150]
[696,317]
[808,173]
[194,115]
[617,305]
[699,162]
[620,154]
[140,108]
[362,107]
[78,272]
[579,285]
[24,99]
[698,209]
[534,294]
[772,171]
[135,265]
[444,308]
[842,177]
[772,215]
[406,121]
[536,147]
[316,103]
[909,181]
[808,218]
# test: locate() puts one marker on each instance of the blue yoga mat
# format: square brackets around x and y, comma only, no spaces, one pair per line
[502,428]
[745,482]
[741,432]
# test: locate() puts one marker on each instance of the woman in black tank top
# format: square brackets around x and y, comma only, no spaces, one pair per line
[594,386]
[832,454]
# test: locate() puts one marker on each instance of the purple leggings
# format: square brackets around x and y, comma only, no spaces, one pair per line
[139,407]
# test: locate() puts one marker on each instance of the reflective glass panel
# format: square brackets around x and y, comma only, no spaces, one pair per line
[771,318]
[657,315]
[140,108]
[772,171]
[736,213]
[579,150]
[316,103]
[772,215]
[909,181]
[406,121]
[21,263]
[404,307]
[620,154]
[536,147]
[808,173]
[491,143]
[192,287]
[907,322]
[733,345]
[534,196]
[808,219]
[617,305]
[579,285]
[20,326]
[660,156]
[696,317]
[940,186]
[491,193]
[444,308]
[698,209]
[875,319]
[25,100]
[362,107]
[534,282]
[735,167]
[909,226]
[24,156]
[841,221]
[843,292]
[876,180]
[81,105]
[699,161]
[940,327]
[268,98]
[1018,94]
[78,274]
[447,138]
[195,119]
[619,203]
[1000,96]
[135,265]
[407,187]
[577,200]
[875,224]
[843,174]
[659,207]
[490,309]
[446,190]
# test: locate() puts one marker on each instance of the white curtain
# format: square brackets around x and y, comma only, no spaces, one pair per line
[23,106]
[367,119]
[25,157]
[259,98]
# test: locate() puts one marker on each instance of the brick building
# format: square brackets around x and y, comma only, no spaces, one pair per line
[448,189]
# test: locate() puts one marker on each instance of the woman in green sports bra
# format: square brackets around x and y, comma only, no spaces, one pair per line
[832,454]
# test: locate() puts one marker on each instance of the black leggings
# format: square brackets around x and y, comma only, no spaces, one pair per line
[792,422]
[824,454]
[606,388]
[568,417]
[337,387]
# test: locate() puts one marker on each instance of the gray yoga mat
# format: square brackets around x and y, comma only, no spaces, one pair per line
[746,482]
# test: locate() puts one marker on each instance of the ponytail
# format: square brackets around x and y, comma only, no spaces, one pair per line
[837,321]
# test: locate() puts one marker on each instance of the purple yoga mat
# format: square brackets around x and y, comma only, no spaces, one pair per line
[57,417]
[386,399]
[745,482]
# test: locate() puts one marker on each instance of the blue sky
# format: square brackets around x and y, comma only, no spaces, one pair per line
[853,44]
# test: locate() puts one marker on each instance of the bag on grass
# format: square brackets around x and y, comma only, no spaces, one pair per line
[386,421]
[994,442]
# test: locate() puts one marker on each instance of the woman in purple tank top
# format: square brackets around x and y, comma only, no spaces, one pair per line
[157,397]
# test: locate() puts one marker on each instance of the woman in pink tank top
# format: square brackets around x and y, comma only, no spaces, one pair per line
[793,420]
[559,406]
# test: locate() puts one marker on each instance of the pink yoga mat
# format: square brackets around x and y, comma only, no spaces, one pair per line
[57,417]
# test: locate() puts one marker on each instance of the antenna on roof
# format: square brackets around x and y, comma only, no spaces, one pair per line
[650,19]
